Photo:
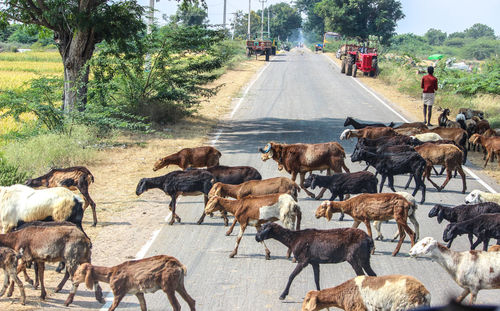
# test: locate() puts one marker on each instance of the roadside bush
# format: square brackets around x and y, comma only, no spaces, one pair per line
[9,174]
[481,49]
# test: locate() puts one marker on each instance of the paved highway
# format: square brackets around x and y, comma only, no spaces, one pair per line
[299,97]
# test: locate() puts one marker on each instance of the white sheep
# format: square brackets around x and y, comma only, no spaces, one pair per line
[478,196]
[425,137]
[19,203]
[471,270]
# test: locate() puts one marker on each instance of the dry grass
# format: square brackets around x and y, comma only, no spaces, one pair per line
[121,214]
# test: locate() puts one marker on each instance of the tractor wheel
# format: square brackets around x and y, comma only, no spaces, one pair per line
[349,69]
[249,52]
[355,71]
[342,67]
[375,71]
[268,52]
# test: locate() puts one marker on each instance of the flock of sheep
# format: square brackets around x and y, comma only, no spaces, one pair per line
[45,225]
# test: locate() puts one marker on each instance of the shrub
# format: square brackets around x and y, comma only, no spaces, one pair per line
[9,174]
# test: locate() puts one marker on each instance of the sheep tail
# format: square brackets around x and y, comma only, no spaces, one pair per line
[371,245]
[184,269]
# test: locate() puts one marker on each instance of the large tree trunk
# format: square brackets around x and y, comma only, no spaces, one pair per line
[76,49]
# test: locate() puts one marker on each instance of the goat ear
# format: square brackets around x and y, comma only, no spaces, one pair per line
[89,277]
[311,304]
[440,216]
[328,213]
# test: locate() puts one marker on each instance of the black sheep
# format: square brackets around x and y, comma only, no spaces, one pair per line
[484,227]
[343,183]
[234,175]
[315,247]
[357,125]
[186,183]
[462,212]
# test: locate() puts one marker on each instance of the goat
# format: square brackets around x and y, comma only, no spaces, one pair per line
[19,204]
[176,183]
[51,243]
[458,135]
[384,293]
[357,125]
[234,175]
[389,165]
[469,113]
[368,132]
[471,270]
[344,183]
[74,178]
[412,124]
[490,144]
[303,158]
[482,126]
[462,212]
[366,207]
[425,137]
[138,277]
[311,246]
[478,196]
[190,157]
[494,248]
[447,155]
[257,210]
[8,262]
[443,117]
[409,131]
[484,227]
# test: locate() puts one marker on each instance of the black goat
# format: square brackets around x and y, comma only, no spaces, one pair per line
[234,175]
[176,183]
[315,247]
[390,164]
[343,183]
[484,227]
[357,125]
[462,212]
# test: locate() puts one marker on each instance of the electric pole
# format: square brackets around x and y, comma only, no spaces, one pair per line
[249,11]
[151,14]
[224,18]
[262,19]
[268,27]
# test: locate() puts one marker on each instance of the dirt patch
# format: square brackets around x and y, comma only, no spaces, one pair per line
[414,109]
[125,221]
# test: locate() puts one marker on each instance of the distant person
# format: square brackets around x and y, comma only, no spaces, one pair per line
[429,84]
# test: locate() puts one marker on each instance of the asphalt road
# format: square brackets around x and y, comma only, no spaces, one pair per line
[300,97]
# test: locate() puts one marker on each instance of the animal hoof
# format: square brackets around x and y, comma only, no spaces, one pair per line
[199,222]
[171,222]
[102,300]
[30,282]
[94,224]
[57,290]
[282,297]
[341,218]
[318,197]
[294,260]
[232,255]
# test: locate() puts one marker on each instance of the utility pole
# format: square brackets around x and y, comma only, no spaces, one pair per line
[234,25]
[249,11]
[268,28]
[224,18]
[151,14]
[262,19]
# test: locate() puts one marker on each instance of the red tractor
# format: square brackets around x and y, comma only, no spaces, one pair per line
[355,57]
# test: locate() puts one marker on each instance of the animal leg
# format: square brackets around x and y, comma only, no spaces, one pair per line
[176,306]
[320,195]
[478,241]
[83,188]
[268,252]
[118,298]
[356,223]
[487,158]
[238,239]
[71,295]
[63,281]
[172,219]
[462,174]
[448,177]
[41,270]
[200,221]
[142,301]
[6,281]
[184,294]
[368,227]
[376,225]
[298,268]
[414,221]
[232,227]
[21,287]
[463,295]
[316,274]
[384,176]
[60,267]
[409,181]
[309,193]
[357,268]
[391,182]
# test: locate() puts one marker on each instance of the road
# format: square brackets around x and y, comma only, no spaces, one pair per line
[300,97]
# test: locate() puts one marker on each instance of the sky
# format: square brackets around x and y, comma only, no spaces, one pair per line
[446,15]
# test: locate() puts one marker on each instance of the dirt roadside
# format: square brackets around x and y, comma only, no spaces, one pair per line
[125,221]
[413,107]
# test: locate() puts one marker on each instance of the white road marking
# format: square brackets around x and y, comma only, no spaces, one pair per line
[471,173]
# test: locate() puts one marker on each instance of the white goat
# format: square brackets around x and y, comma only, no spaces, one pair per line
[478,196]
[471,270]
[19,203]
[425,137]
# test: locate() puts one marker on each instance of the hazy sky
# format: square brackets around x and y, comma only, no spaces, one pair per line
[447,15]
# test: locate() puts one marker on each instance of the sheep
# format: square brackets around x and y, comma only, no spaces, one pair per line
[478,196]
[471,270]
[257,210]
[425,137]
[357,125]
[484,227]
[366,207]
[138,277]
[190,157]
[343,183]
[20,203]
[8,262]
[311,246]
[462,212]
[176,183]
[384,293]
[74,178]
[368,132]
[51,243]
[490,144]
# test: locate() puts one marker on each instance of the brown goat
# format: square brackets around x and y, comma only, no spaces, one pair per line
[410,131]
[74,178]
[458,135]
[8,262]
[493,248]
[256,187]
[139,277]
[490,144]
[362,293]
[367,206]
[257,210]
[447,155]
[369,132]
[190,157]
[303,158]
[482,126]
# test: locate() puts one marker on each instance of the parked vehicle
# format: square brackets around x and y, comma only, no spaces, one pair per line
[259,47]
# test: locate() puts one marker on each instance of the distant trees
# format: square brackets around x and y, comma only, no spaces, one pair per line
[240,24]
[480,31]
[190,15]
[435,36]
[313,26]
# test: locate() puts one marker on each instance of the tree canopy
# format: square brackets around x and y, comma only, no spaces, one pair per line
[361,18]
[190,15]
[284,19]
[313,26]
[240,24]
[435,36]
[480,31]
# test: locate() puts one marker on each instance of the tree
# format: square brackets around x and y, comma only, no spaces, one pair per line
[480,31]
[435,36]
[313,26]
[241,24]
[78,26]
[361,18]
[190,15]
[283,20]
